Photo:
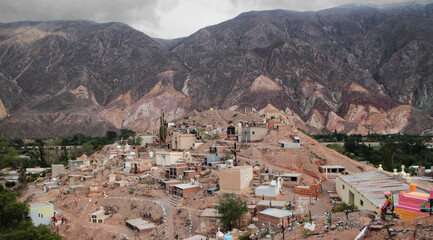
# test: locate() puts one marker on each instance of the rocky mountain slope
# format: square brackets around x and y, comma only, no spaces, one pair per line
[353,69]
[58,78]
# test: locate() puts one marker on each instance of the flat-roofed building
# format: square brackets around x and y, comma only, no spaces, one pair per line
[98,216]
[236,179]
[48,186]
[252,134]
[167,158]
[290,179]
[210,220]
[183,190]
[290,144]
[183,141]
[332,171]
[41,213]
[265,204]
[270,191]
[274,216]
[137,166]
[366,190]
[140,225]
[177,169]
[166,184]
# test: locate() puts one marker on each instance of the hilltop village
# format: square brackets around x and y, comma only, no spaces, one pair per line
[168,189]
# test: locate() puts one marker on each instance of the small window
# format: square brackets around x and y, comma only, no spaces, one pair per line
[361,202]
[343,186]
[253,132]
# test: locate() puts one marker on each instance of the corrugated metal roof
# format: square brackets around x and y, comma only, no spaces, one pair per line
[278,213]
[372,185]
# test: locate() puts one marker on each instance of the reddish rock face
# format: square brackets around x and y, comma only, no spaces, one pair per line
[353,69]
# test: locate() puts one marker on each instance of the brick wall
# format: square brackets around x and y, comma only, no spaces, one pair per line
[313,190]
[273,220]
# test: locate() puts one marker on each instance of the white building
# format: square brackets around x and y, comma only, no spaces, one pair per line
[269,191]
[167,158]
[41,213]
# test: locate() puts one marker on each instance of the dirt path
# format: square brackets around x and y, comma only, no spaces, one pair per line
[162,199]
[170,225]
[261,161]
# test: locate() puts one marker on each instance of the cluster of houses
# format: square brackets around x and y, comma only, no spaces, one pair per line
[177,168]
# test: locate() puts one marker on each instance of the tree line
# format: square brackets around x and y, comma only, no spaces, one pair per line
[393,150]
[17,154]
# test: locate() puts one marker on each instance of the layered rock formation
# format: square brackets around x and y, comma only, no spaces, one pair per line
[352,69]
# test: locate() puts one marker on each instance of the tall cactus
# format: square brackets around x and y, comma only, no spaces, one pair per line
[162,130]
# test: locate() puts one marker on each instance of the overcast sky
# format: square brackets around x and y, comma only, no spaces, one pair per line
[158,18]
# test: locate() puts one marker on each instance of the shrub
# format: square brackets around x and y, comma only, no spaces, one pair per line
[10,184]
[341,207]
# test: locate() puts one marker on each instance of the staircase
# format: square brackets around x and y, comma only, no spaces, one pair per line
[175,201]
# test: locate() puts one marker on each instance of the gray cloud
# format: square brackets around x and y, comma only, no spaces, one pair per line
[130,11]
[158,18]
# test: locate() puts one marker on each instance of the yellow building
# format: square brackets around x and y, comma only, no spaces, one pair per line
[236,179]
[41,213]
[366,190]
[183,141]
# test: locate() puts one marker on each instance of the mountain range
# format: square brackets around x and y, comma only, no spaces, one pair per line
[356,69]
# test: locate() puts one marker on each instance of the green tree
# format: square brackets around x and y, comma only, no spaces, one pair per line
[111,136]
[231,209]
[15,223]
[54,142]
[87,148]
[17,143]
[4,146]
[22,177]
[9,157]
[78,139]
[163,130]
[64,151]
[126,133]
[387,148]
[41,150]
[350,145]
[138,141]
[11,211]
[342,207]
[26,230]
[9,184]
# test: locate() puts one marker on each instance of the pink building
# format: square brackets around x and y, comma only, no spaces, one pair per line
[409,204]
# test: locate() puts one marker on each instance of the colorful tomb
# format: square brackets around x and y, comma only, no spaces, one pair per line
[409,204]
